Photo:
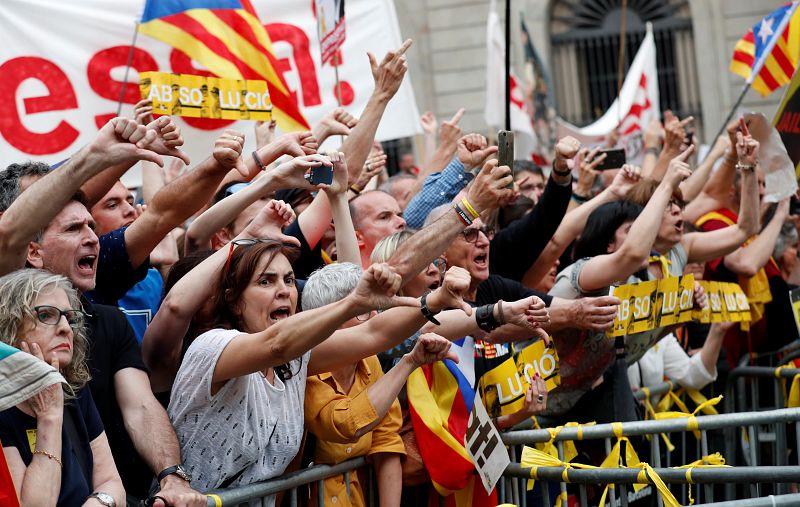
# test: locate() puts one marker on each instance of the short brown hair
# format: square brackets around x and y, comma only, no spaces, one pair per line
[643,191]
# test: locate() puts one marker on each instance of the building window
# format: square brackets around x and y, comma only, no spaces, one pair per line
[585,44]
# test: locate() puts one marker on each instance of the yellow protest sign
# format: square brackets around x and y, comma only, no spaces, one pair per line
[794,296]
[503,387]
[643,308]
[206,97]
[686,300]
[727,302]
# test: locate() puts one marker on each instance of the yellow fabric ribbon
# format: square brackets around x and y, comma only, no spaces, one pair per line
[691,424]
[569,446]
[711,461]
[650,413]
[663,261]
[793,398]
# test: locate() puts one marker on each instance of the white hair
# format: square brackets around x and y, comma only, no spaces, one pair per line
[329,284]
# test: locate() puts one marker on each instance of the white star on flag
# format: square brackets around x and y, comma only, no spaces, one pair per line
[765,30]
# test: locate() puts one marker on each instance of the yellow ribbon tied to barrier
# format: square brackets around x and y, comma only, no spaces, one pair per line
[650,413]
[691,424]
[711,461]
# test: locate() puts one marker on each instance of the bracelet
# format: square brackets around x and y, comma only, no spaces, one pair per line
[470,209]
[258,160]
[580,199]
[561,173]
[484,316]
[50,456]
[745,167]
[462,215]
[355,189]
[502,318]
[426,312]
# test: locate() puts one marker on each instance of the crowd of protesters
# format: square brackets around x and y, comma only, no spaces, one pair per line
[240,313]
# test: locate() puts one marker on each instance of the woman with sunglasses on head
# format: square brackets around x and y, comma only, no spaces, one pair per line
[54,443]
[237,400]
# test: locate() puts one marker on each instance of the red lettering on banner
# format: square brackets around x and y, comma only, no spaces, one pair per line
[99,74]
[182,64]
[301,53]
[60,97]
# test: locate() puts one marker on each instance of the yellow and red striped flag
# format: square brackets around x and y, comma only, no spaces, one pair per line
[228,39]
[768,54]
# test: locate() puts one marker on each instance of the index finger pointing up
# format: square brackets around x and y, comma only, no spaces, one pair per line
[743,126]
[457,117]
[686,153]
[404,47]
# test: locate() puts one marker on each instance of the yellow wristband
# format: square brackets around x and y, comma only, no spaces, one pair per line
[470,209]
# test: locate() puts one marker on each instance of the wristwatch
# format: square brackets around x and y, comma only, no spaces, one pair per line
[177,470]
[104,498]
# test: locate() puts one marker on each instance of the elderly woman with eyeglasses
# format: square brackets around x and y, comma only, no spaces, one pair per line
[57,452]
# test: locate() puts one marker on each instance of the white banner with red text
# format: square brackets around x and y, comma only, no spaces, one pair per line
[62,68]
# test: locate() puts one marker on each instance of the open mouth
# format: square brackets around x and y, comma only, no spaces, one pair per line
[280,314]
[679,225]
[86,263]
[480,260]
[434,285]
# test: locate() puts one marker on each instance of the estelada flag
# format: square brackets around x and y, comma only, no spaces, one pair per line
[227,38]
[440,400]
[768,54]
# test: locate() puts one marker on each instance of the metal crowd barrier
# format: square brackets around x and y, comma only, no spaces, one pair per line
[289,482]
[512,490]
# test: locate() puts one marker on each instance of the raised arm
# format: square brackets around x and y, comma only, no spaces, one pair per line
[704,246]
[287,175]
[290,338]
[674,138]
[748,259]
[487,192]
[574,221]
[163,339]
[120,141]
[336,122]
[437,158]
[388,328]
[601,271]
[165,140]
[179,200]
[694,184]
[429,126]
[346,242]
[388,76]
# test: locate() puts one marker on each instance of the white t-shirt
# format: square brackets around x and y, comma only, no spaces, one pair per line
[249,427]
[668,359]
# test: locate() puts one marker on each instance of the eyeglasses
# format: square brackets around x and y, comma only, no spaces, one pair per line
[471,234]
[51,315]
[440,264]
[242,242]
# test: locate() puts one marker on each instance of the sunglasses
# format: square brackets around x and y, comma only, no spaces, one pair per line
[471,234]
[51,315]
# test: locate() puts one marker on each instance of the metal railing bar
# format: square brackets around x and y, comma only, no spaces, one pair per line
[636,428]
[294,479]
[767,501]
[739,475]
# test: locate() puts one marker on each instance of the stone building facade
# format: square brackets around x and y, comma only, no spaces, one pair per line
[447,62]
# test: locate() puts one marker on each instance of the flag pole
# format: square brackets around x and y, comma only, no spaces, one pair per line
[128,67]
[731,112]
[338,84]
[508,65]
